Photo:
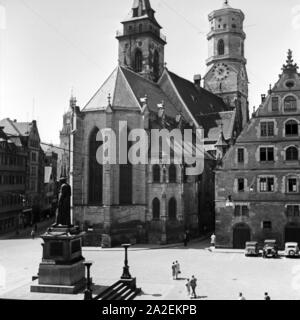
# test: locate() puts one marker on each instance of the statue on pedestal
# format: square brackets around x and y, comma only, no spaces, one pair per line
[64,204]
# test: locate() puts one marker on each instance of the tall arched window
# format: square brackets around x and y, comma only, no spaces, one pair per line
[125,181]
[156,66]
[290,104]
[221,47]
[172,209]
[172,173]
[95,171]
[292,154]
[291,128]
[156,173]
[156,209]
[138,61]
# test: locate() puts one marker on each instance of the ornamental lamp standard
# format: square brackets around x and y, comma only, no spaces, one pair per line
[126,274]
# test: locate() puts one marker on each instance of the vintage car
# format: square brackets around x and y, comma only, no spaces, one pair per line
[270,249]
[251,249]
[291,249]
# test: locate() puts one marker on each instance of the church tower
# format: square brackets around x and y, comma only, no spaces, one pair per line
[141,43]
[227,74]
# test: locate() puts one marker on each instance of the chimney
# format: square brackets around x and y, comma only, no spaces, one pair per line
[197,80]
[263,98]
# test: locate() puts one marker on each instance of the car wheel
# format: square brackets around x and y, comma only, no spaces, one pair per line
[291,253]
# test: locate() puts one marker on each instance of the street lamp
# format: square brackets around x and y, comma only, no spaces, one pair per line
[88,293]
[126,274]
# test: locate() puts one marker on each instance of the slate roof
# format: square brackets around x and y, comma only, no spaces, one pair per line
[126,89]
[199,101]
[213,123]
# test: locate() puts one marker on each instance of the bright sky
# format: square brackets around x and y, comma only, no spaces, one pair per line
[49,46]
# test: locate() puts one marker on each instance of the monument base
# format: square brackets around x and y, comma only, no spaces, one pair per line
[62,269]
[42,288]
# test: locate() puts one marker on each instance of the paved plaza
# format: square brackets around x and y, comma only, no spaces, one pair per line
[221,274]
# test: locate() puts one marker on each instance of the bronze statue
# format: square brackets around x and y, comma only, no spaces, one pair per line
[64,204]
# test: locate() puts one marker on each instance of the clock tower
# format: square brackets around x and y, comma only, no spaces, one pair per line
[227,75]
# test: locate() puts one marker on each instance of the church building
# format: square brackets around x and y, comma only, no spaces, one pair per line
[156,203]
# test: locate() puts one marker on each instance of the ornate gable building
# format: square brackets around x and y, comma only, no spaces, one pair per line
[153,203]
[258,185]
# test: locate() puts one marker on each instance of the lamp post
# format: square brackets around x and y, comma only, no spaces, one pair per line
[126,274]
[88,293]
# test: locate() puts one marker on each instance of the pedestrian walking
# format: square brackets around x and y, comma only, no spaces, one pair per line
[174,270]
[241,297]
[185,242]
[213,240]
[188,287]
[32,234]
[193,283]
[267,297]
[178,271]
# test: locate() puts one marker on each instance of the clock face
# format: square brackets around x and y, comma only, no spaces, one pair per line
[221,71]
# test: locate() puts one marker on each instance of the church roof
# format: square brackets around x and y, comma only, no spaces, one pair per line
[198,100]
[126,88]
[212,124]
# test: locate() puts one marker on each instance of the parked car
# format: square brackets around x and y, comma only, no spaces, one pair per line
[291,249]
[270,249]
[251,249]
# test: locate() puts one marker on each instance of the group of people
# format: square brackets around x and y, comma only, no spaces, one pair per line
[175,270]
[266,297]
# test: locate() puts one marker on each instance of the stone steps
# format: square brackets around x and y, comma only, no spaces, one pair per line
[121,290]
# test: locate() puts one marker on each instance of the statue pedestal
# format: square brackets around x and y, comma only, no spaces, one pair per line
[62,268]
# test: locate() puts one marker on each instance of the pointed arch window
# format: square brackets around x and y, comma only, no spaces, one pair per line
[138,61]
[221,47]
[156,173]
[126,181]
[95,191]
[172,209]
[172,173]
[156,209]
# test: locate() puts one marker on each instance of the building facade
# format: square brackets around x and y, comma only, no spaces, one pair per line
[153,203]
[26,135]
[12,184]
[258,183]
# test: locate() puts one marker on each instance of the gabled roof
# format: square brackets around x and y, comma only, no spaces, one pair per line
[198,100]
[117,87]
[16,128]
[141,87]
[214,123]
[126,89]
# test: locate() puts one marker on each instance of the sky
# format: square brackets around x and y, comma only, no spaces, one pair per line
[49,48]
